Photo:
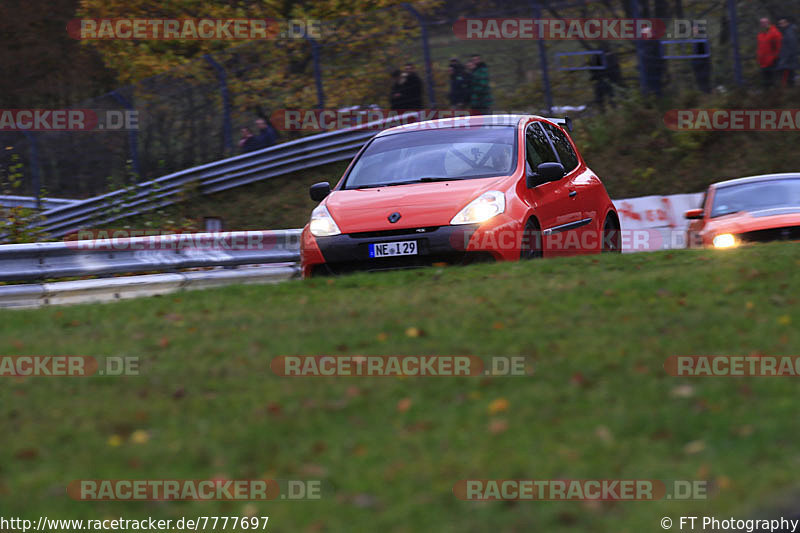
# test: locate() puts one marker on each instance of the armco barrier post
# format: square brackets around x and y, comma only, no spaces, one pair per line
[315,47]
[35,176]
[222,79]
[133,135]
[426,53]
[548,93]
[737,59]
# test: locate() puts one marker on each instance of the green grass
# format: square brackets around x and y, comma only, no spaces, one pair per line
[596,330]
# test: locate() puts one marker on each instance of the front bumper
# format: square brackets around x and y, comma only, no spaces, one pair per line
[346,253]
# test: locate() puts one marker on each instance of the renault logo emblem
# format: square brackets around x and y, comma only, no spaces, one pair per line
[394,217]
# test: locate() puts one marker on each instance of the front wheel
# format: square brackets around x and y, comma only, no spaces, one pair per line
[612,237]
[531,241]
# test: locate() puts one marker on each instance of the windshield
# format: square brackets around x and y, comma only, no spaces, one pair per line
[758,196]
[436,155]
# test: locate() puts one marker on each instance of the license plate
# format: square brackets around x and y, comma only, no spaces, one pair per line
[391,249]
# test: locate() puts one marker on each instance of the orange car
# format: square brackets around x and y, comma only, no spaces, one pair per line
[746,210]
[457,191]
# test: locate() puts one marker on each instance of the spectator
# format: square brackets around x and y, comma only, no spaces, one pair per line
[787,59]
[652,62]
[267,136]
[248,142]
[481,93]
[412,88]
[769,47]
[396,98]
[701,65]
[606,69]
[460,85]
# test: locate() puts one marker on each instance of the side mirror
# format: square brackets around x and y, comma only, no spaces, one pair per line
[693,214]
[319,191]
[544,173]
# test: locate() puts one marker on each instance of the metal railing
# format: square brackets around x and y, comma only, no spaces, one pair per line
[301,154]
[105,257]
[29,202]
[183,261]
[200,260]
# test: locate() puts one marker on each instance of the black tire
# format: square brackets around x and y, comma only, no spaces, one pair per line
[531,241]
[612,237]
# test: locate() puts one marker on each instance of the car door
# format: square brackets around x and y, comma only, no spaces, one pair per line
[583,236]
[551,201]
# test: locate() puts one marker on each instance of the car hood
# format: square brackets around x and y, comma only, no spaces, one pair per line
[419,204]
[757,220]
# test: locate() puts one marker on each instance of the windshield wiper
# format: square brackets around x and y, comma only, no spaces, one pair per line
[407,182]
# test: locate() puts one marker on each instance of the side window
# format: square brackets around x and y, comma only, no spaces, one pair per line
[537,148]
[565,151]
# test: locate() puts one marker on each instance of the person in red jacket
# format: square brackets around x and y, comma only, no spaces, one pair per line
[769,48]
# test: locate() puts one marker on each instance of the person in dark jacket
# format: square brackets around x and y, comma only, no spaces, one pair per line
[604,76]
[652,63]
[701,65]
[248,142]
[481,93]
[787,58]
[396,97]
[412,88]
[267,136]
[769,47]
[460,85]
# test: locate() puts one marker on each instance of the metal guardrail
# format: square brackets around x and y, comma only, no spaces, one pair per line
[301,154]
[176,253]
[170,253]
[112,289]
[30,202]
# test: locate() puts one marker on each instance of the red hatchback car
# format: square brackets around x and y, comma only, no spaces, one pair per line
[747,210]
[456,191]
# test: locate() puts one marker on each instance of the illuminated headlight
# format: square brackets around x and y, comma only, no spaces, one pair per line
[725,240]
[481,208]
[322,224]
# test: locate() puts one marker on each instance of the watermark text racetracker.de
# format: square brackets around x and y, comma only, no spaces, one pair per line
[24,366]
[172,29]
[608,29]
[69,120]
[733,119]
[698,366]
[141,239]
[580,489]
[398,366]
[194,489]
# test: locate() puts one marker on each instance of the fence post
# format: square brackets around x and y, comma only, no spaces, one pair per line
[737,59]
[35,177]
[426,53]
[315,46]
[222,78]
[548,93]
[133,135]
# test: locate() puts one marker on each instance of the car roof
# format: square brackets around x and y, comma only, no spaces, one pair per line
[756,179]
[461,121]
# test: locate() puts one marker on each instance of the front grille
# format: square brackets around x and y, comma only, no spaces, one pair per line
[788,233]
[393,232]
[403,262]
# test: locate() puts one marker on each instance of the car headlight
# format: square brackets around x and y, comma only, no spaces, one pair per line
[725,240]
[322,223]
[481,208]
